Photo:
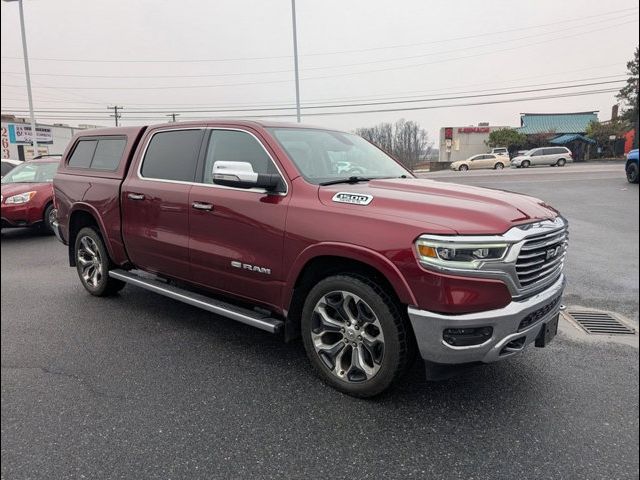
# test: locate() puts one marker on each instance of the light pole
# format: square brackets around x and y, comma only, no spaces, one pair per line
[295,57]
[34,135]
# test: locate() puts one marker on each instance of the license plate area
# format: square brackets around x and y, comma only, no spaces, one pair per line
[548,332]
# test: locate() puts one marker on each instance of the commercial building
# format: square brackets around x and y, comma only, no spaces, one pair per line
[16,137]
[460,143]
[566,129]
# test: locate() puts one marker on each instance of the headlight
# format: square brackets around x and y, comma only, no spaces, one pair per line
[21,198]
[460,253]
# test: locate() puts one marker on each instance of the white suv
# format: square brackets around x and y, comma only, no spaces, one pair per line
[554,156]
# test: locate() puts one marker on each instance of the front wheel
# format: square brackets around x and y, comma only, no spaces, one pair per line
[354,335]
[526,164]
[632,173]
[92,263]
[499,166]
[463,168]
[48,217]
[561,162]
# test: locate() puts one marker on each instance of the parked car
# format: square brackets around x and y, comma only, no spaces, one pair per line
[631,166]
[27,195]
[8,165]
[500,151]
[550,156]
[250,220]
[483,160]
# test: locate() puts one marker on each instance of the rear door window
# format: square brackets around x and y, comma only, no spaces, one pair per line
[108,153]
[83,154]
[172,155]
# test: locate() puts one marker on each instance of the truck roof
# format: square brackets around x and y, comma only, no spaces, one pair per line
[239,122]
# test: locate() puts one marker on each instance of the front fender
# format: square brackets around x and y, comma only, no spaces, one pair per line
[351,252]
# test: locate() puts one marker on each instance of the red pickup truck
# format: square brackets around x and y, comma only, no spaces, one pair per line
[258,222]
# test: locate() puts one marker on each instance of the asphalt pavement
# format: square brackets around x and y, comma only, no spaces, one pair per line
[139,386]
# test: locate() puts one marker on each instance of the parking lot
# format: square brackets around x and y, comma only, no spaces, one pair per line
[142,386]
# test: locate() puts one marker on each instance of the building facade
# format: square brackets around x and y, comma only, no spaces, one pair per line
[52,139]
[460,143]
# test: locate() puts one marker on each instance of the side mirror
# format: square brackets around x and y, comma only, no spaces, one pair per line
[241,175]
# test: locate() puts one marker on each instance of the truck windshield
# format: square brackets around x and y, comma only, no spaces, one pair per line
[324,156]
[40,172]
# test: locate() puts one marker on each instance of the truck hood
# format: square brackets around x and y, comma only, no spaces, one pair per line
[9,189]
[464,209]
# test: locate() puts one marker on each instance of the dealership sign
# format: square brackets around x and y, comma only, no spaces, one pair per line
[474,130]
[21,134]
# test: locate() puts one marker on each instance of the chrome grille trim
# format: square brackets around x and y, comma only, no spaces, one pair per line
[541,257]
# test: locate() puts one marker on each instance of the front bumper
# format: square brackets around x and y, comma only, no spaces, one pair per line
[506,323]
[20,215]
[55,226]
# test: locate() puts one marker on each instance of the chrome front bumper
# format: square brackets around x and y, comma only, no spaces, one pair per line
[429,327]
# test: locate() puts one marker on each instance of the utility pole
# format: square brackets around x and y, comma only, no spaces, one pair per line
[295,57]
[25,55]
[115,112]
[173,116]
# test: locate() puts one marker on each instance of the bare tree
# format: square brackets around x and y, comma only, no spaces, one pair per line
[405,140]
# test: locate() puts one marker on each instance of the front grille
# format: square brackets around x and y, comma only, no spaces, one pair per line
[541,258]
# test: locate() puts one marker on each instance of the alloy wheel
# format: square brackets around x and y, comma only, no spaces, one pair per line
[88,257]
[347,336]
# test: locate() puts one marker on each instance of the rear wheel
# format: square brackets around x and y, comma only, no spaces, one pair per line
[632,173]
[463,168]
[354,335]
[526,164]
[561,162]
[499,166]
[93,264]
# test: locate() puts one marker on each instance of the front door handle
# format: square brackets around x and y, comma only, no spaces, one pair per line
[202,206]
[135,196]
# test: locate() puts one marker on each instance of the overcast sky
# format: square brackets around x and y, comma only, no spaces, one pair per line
[351,51]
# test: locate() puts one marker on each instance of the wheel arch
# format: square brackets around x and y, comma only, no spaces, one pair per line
[84,215]
[322,261]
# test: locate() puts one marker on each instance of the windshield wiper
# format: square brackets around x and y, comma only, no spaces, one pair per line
[345,180]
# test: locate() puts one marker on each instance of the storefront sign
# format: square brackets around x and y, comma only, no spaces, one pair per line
[474,130]
[21,134]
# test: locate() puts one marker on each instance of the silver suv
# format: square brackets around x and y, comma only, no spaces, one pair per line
[554,156]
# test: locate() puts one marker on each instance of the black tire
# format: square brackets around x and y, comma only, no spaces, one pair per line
[463,168]
[561,162]
[526,164]
[632,173]
[498,166]
[94,278]
[396,340]
[47,218]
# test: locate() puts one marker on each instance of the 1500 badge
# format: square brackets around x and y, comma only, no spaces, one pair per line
[353,198]
[251,268]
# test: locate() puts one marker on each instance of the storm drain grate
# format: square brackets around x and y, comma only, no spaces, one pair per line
[599,323]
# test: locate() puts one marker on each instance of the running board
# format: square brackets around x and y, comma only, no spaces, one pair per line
[243,315]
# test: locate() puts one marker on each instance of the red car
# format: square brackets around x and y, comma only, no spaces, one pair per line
[27,195]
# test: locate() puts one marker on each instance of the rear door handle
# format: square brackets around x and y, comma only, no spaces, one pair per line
[202,206]
[135,196]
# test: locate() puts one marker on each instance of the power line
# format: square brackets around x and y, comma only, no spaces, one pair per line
[355,112]
[325,67]
[370,97]
[395,68]
[345,105]
[451,39]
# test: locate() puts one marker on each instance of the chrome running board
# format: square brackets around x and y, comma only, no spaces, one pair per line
[228,310]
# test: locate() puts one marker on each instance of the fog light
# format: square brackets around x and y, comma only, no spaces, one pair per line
[464,337]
